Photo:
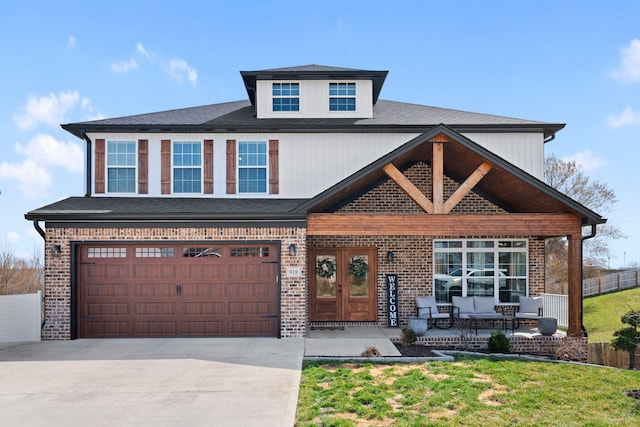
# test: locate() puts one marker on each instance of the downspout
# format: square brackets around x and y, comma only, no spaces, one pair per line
[550,138]
[590,236]
[41,233]
[87,169]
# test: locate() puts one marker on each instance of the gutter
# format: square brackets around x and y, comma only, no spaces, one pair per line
[87,164]
[39,229]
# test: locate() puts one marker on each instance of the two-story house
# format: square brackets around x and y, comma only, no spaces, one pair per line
[290,209]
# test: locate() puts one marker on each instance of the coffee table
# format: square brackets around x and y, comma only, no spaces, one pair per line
[504,318]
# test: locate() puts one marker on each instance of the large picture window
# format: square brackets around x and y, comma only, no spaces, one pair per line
[121,167]
[496,268]
[342,97]
[286,96]
[187,167]
[252,167]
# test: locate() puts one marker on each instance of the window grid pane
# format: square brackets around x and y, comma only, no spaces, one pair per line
[121,171]
[342,97]
[252,167]
[187,173]
[285,96]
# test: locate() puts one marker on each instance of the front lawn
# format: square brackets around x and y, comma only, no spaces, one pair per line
[469,392]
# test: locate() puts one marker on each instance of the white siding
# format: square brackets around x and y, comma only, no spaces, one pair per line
[311,163]
[525,150]
[314,100]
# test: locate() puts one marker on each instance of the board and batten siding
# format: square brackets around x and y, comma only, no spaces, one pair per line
[314,100]
[524,150]
[309,163]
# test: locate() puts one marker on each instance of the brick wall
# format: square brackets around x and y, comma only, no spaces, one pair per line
[57,296]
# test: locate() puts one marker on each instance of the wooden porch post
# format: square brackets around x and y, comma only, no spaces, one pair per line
[575,286]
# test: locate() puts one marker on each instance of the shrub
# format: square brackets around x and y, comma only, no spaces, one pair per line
[408,336]
[498,342]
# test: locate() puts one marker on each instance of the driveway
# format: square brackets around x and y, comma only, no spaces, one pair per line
[144,382]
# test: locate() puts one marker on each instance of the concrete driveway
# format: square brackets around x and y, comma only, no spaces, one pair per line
[144,382]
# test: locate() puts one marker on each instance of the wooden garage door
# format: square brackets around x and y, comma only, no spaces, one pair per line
[162,290]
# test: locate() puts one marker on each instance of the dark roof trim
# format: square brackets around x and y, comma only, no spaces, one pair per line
[313,72]
[588,216]
[169,224]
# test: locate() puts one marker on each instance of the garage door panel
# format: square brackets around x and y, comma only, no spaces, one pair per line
[203,328]
[155,290]
[138,290]
[250,327]
[155,308]
[107,309]
[154,271]
[203,290]
[205,308]
[250,308]
[157,328]
[106,289]
[103,329]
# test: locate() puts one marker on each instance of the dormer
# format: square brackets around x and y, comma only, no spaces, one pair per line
[313,92]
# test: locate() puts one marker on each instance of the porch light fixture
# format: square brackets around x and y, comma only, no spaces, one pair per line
[292,249]
[57,250]
[390,256]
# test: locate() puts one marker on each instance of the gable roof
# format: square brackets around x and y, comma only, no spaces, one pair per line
[312,72]
[505,184]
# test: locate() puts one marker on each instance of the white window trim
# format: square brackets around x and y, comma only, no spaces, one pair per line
[266,167]
[107,167]
[354,97]
[495,250]
[299,97]
[173,167]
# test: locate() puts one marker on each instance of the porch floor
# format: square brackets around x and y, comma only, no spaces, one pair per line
[352,341]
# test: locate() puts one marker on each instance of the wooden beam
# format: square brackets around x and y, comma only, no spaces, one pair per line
[454,225]
[465,187]
[437,178]
[408,187]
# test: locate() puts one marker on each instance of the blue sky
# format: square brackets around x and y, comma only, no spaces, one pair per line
[573,62]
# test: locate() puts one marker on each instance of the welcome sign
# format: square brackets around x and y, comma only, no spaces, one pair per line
[392,300]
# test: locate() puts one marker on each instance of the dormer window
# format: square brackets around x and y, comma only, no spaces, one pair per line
[342,97]
[121,167]
[286,96]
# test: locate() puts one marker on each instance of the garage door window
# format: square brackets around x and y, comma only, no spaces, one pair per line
[107,252]
[250,252]
[154,252]
[202,252]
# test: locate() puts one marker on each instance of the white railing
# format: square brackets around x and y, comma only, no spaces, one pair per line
[20,317]
[612,282]
[557,306]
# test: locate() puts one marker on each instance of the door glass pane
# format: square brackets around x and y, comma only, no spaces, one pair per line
[326,276]
[359,276]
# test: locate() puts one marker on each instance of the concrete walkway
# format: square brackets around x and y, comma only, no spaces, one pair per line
[151,382]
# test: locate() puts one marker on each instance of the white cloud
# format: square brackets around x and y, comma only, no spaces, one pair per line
[627,117]
[71,42]
[179,69]
[142,51]
[629,69]
[45,150]
[124,66]
[586,159]
[48,110]
[12,237]
[33,179]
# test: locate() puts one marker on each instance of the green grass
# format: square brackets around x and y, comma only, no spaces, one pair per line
[602,313]
[469,392]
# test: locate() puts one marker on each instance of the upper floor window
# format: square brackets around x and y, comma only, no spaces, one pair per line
[342,97]
[121,167]
[286,96]
[252,167]
[187,167]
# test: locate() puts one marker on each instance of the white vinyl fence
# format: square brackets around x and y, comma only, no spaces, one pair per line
[556,306]
[20,317]
[612,282]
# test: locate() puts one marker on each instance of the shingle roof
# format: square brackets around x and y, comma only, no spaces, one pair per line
[99,209]
[240,115]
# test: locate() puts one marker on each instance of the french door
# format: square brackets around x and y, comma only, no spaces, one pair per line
[342,284]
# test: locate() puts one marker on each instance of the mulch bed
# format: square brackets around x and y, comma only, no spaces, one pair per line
[414,350]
